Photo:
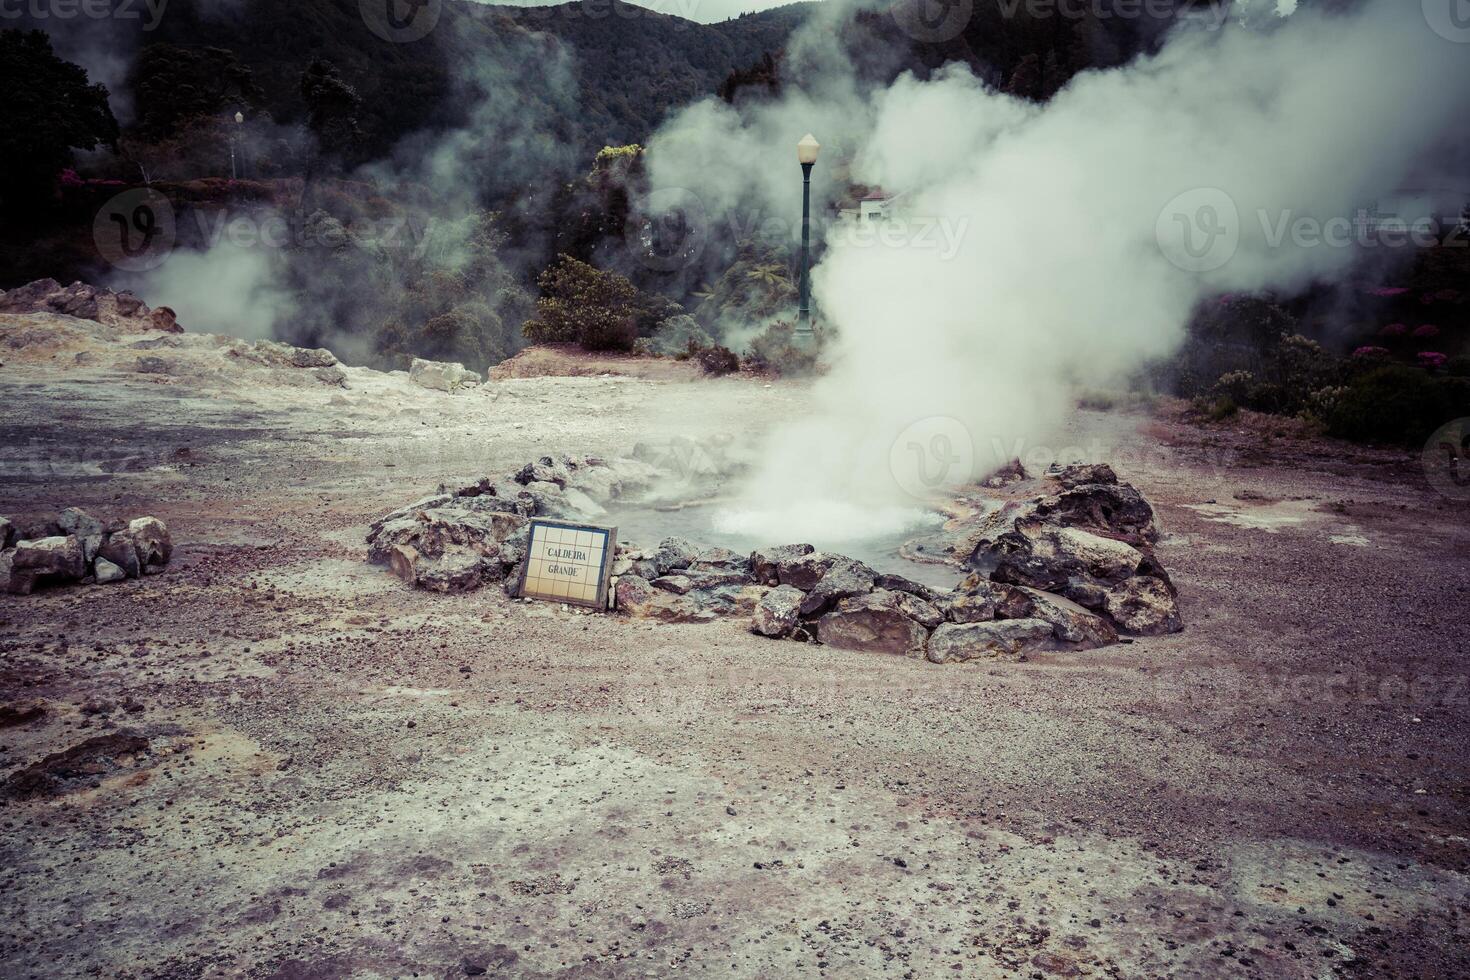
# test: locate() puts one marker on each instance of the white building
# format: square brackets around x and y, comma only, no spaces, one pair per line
[876,205]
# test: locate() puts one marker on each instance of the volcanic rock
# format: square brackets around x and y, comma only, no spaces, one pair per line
[64,771]
[874,622]
[1144,606]
[88,529]
[441,375]
[766,563]
[1058,559]
[778,611]
[843,579]
[674,553]
[119,549]
[46,561]
[1078,474]
[106,571]
[455,570]
[1071,624]
[151,538]
[804,571]
[7,533]
[1002,639]
[897,583]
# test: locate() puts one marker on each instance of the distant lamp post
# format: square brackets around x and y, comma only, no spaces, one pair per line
[806,154]
[235,138]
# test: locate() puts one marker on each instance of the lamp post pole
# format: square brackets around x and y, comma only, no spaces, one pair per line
[806,155]
[235,138]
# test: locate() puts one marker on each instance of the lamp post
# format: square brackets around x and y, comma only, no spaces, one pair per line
[235,138]
[806,155]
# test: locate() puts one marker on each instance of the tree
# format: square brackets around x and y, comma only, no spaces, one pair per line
[173,87]
[332,107]
[49,110]
[584,305]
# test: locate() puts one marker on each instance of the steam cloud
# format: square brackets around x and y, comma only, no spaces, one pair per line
[1059,280]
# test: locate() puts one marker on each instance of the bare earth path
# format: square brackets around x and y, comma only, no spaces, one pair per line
[350,778]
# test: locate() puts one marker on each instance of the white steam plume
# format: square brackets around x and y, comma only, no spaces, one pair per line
[1059,277]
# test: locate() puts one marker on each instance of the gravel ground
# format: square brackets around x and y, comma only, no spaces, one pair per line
[346,777]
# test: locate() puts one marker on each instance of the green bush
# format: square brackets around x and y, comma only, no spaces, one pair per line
[1397,404]
[773,350]
[584,305]
[715,360]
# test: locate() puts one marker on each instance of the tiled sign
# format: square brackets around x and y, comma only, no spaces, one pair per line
[569,563]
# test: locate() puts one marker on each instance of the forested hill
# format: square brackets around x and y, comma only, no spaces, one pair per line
[632,66]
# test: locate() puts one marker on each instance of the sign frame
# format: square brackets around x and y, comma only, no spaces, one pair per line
[604,571]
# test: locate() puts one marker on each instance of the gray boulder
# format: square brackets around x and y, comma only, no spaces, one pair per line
[873,623]
[7,533]
[1002,639]
[765,563]
[1070,623]
[1056,559]
[87,528]
[441,530]
[441,375]
[155,547]
[119,549]
[46,561]
[805,571]
[107,572]
[778,611]
[844,579]
[1143,606]
[674,553]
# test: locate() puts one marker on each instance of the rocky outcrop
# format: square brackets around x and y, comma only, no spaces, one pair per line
[1002,639]
[79,548]
[1040,582]
[1091,542]
[441,375]
[85,302]
[873,623]
[434,542]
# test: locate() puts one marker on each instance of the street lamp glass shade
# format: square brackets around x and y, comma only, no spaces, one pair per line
[239,117]
[806,150]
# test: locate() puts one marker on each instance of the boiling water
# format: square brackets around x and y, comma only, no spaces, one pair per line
[713,524]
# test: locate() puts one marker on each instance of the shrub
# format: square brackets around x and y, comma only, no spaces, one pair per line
[1397,404]
[584,305]
[773,350]
[715,360]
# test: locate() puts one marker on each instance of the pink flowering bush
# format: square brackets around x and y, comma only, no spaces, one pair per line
[1388,291]
[1426,330]
[1370,351]
[1394,330]
[1431,359]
